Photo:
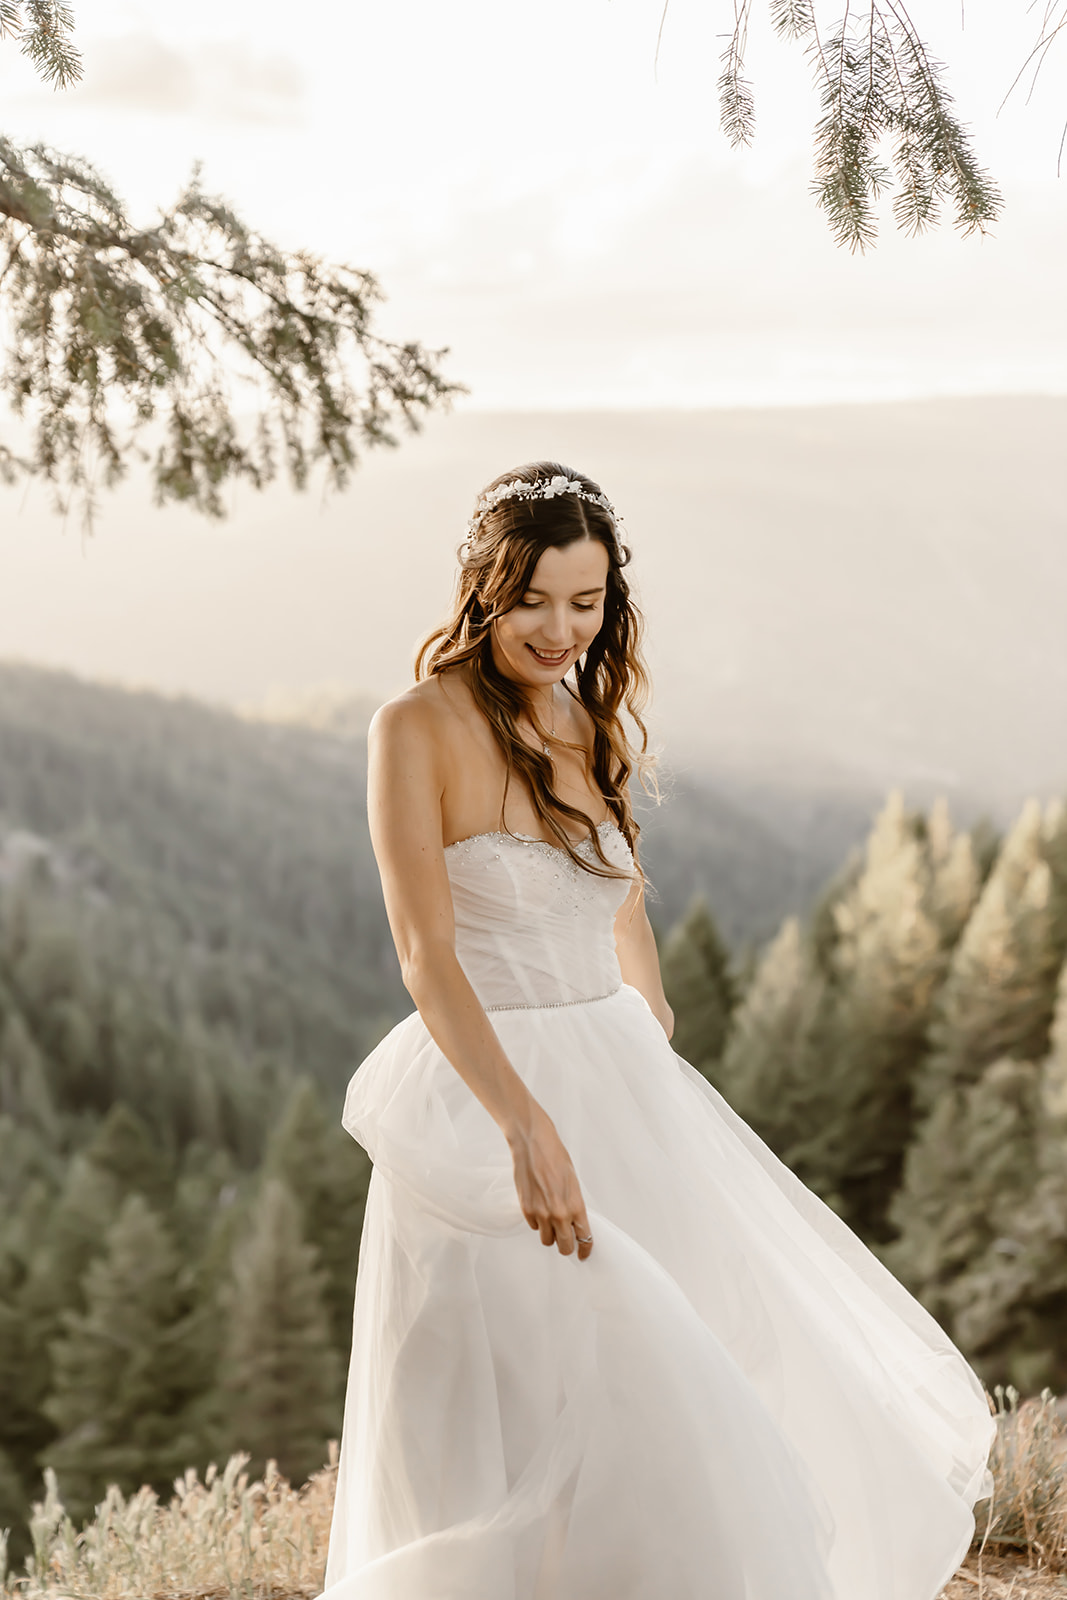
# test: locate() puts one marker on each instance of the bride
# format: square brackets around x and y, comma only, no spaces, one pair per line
[705,1387]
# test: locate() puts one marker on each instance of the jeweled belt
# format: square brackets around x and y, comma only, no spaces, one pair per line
[551,1005]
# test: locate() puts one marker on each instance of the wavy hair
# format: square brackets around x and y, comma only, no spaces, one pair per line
[496,567]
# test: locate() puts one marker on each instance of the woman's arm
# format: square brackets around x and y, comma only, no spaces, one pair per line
[406,779]
[635,944]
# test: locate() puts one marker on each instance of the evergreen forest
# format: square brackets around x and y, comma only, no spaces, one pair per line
[194,958]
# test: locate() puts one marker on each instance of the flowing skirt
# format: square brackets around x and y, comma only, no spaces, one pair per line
[731,1398]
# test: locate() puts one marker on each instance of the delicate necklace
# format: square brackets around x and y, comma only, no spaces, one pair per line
[552,730]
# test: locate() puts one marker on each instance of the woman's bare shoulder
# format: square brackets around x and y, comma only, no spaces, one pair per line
[426,711]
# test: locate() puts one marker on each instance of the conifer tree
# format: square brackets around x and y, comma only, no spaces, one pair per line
[983,1202]
[24,1088]
[998,997]
[699,988]
[280,1377]
[20,1432]
[885,964]
[327,1173]
[954,875]
[114,326]
[970,1165]
[74,1234]
[14,1508]
[130,1371]
[770,1065]
[123,1148]
[1054,1074]
[1011,1302]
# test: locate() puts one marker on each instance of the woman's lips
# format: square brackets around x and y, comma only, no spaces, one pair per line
[550,658]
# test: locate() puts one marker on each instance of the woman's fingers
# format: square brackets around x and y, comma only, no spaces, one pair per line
[565,1238]
[551,1198]
[568,1236]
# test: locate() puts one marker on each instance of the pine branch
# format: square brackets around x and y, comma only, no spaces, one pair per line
[1052,25]
[849,176]
[792,19]
[941,140]
[879,84]
[113,328]
[44,29]
[737,107]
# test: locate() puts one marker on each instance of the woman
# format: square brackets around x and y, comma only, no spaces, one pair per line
[705,1386]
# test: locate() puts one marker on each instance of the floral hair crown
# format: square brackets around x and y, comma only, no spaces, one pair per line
[540,489]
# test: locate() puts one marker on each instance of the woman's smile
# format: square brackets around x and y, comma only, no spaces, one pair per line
[558,616]
[551,658]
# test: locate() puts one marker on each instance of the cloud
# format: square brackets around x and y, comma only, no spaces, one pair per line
[224,81]
[701,289]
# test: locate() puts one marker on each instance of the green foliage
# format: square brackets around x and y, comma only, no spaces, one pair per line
[205,886]
[955,874]
[699,987]
[983,1215]
[878,85]
[280,1377]
[193,957]
[970,1164]
[328,1177]
[116,327]
[43,29]
[910,978]
[770,1067]
[884,963]
[123,1150]
[129,1369]
[998,997]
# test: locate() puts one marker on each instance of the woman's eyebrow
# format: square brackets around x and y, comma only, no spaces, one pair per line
[598,589]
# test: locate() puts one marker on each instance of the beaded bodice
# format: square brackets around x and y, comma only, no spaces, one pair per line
[533,929]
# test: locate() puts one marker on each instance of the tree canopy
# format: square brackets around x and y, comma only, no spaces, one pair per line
[114,332]
[44,29]
[124,340]
[113,328]
[879,86]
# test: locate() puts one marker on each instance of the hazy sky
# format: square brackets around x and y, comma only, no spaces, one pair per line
[577,229]
[866,594]
[571,223]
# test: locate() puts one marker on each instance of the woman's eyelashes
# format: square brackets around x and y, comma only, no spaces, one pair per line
[531,605]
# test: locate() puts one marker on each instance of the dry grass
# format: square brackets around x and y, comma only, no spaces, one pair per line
[1020,1547]
[228,1539]
[222,1539]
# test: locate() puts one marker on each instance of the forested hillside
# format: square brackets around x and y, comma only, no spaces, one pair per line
[904,1050]
[240,850]
[193,958]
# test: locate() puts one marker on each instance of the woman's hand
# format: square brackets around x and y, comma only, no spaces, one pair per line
[547,1185]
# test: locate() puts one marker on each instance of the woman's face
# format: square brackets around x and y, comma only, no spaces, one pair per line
[558,617]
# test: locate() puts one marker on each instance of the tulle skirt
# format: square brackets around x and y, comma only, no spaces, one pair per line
[730,1399]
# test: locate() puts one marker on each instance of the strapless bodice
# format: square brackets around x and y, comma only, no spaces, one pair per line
[533,929]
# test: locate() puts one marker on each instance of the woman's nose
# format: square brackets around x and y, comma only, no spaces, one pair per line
[555,628]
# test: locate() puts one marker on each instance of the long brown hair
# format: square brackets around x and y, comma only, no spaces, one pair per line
[496,567]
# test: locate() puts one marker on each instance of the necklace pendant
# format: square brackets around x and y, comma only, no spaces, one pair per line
[547,751]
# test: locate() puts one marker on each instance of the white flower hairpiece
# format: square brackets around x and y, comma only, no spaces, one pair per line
[540,489]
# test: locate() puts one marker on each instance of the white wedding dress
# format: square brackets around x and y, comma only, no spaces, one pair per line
[730,1399]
